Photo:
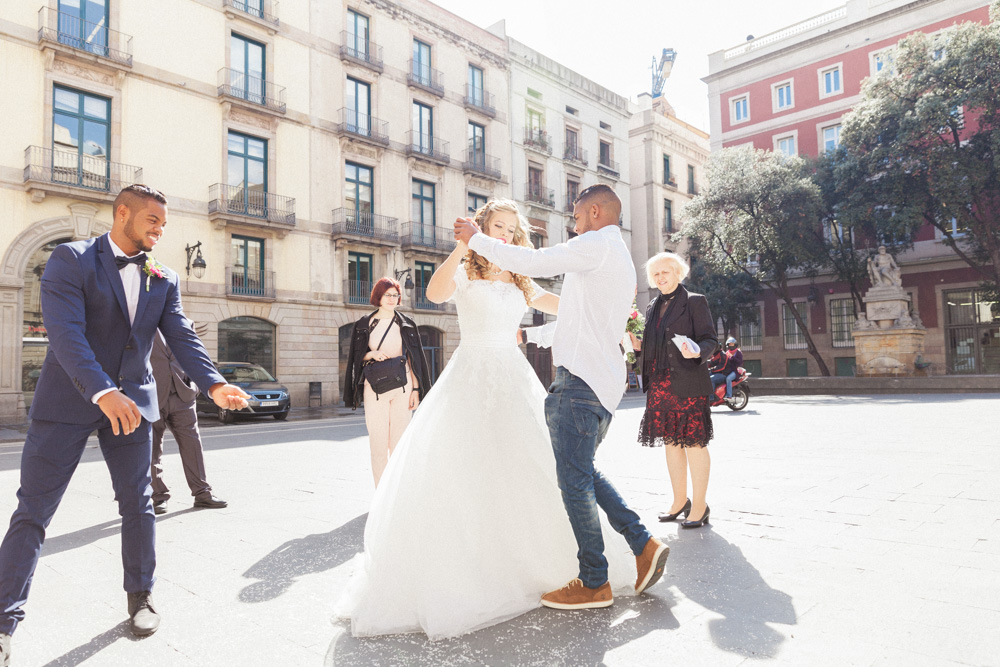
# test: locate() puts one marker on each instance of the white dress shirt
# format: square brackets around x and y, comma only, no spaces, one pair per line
[131,282]
[594,306]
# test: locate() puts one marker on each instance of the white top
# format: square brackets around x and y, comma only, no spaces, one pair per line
[594,306]
[131,281]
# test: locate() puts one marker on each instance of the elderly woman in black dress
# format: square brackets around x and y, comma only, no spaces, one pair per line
[677,393]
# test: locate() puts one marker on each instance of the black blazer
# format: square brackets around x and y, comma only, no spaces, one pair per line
[690,317]
[354,382]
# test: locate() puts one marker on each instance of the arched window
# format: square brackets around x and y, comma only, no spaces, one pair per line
[432,341]
[247,339]
[34,337]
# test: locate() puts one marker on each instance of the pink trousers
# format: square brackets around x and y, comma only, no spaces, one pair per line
[386,416]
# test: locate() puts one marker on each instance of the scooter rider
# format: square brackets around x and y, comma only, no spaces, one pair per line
[730,369]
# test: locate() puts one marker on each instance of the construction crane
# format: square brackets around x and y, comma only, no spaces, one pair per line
[661,70]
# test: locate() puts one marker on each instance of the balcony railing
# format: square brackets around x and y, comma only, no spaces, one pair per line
[265,10]
[238,200]
[241,281]
[569,207]
[77,170]
[478,162]
[420,301]
[361,51]
[423,235]
[609,167]
[362,125]
[424,76]
[539,195]
[96,38]
[242,86]
[358,292]
[350,222]
[480,100]
[538,140]
[575,154]
[427,146]
[671,182]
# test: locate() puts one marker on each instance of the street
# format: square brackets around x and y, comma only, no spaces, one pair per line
[858,530]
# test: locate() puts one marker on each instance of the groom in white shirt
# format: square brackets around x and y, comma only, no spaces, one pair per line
[594,307]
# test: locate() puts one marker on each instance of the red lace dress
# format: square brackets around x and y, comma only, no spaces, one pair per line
[672,420]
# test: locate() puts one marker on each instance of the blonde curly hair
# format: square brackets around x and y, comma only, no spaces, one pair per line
[477,267]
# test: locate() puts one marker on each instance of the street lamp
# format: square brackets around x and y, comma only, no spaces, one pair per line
[408,285]
[199,262]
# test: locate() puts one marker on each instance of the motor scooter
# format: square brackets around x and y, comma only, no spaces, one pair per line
[741,392]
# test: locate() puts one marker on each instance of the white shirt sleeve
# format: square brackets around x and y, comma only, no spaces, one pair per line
[541,336]
[579,254]
[98,395]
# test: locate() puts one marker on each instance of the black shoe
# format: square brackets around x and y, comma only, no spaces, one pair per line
[699,523]
[160,506]
[673,517]
[211,503]
[143,618]
[4,650]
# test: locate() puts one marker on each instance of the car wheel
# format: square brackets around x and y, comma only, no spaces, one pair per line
[225,416]
[281,416]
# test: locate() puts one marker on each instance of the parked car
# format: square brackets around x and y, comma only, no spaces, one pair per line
[267,395]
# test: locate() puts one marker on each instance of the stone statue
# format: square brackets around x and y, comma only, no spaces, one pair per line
[863,323]
[883,270]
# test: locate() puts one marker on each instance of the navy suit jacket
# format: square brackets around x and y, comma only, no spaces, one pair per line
[92,346]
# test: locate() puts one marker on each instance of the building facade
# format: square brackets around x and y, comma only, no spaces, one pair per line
[788,91]
[304,155]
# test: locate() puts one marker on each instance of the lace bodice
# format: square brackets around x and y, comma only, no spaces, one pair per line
[489,312]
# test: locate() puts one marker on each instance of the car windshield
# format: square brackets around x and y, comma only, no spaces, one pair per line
[245,374]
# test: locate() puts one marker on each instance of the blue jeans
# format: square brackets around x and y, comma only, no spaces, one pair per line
[719,378]
[577,424]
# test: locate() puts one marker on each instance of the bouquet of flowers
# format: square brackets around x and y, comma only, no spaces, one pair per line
[636,325]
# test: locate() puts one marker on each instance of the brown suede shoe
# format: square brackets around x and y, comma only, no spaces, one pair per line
[575,595]
[650,564]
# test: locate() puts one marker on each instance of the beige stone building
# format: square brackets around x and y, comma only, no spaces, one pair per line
[308,153]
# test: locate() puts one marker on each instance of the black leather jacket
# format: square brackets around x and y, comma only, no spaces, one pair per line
[354,382]
[689,317]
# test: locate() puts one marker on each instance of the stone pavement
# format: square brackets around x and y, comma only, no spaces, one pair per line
[861,530]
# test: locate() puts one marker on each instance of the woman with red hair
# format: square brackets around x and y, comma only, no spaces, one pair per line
[379,336]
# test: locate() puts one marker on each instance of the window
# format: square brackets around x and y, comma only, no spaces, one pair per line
[783,96]
[534,93]
[740,109]
[753,366]
[422,63]
[786,146]
[81,138]
[972,332]
[536,181]
[476,88]
[475,202]
[692,190]
[247,174]
[605,153]
[831,138]
[571,111]
[844,366]
[477,144]
[422,275]
[795,338]
[248,339]
[797,368]
[829,81]
[668,178]
[605,126]
[535,123]
[359,99]
[359,277]
[84,25]
[359,196]
[882,61]
[751,334]
[431,340]
[668,216]
[573,144]
[842,322]
[357,34]
[422,204]
[572,192]
[423,128]
[246,275]
[246,69]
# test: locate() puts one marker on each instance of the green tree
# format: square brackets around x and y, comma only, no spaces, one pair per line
[761,215]
[732,295]
[925,139]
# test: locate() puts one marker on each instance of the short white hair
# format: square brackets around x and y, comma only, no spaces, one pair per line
[679,264]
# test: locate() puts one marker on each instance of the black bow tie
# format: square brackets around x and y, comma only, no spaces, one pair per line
[122,262]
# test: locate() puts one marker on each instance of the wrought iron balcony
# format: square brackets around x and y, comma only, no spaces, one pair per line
[57,27]
[426,77]
[608,167]
[479,100]
[671,182]
[45,166]
[245,88]
[264,10]
[539,195]
[428,147]
[236,200]
[357,124]
[537,140]
[241,281]
[427,237]
[570,206]
[575,154]
[361,51]
[420,301]
[478,162]
[352,224]
[358,292]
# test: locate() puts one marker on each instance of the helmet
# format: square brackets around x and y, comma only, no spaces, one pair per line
[730,341]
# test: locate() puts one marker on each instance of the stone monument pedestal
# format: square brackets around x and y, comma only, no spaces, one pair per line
[887,340]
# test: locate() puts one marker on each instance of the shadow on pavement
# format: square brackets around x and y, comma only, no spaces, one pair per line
[713,573]
[278,570]
[540,637]
[90,534]
[85,652]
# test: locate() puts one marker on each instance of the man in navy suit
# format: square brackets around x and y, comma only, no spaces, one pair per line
[102,302]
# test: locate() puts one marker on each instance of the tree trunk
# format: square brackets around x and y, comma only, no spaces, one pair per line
[782,290]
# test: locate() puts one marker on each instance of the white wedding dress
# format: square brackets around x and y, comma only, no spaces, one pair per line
[467,527]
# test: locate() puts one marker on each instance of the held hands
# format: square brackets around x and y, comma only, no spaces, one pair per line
[688,353]
[120,409]
[228,396]
[465,229]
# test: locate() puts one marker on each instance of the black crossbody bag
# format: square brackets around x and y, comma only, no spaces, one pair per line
[384,376]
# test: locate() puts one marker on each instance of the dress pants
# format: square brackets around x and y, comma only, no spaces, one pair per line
[181,418]
[51,454]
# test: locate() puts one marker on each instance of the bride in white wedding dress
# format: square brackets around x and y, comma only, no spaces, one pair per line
[467,527]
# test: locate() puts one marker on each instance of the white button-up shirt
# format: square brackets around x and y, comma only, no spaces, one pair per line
[131,281]
[594,306]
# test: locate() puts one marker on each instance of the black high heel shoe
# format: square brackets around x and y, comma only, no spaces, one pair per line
[701,522]
[673,517]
